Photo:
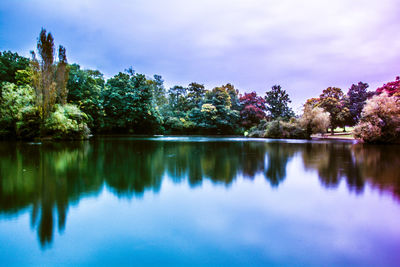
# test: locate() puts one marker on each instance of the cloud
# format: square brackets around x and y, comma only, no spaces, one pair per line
[305,46]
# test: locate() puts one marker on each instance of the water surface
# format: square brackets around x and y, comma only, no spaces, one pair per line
[197,201]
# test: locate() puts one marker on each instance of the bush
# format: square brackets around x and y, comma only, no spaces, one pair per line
[380,120]
[67,122]
[279,129]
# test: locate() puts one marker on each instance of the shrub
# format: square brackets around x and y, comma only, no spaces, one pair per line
[380,120]
[279,129]
[67,122]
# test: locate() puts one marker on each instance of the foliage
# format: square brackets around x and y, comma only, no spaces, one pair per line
[332,101]
[277,103]
[218,115]
[13,100]
[195,96]
[10,64]
[357,96]
[128,105]
[391,88]
[314,120]
[67,122]
[380,120]
[85,90]
[253,109]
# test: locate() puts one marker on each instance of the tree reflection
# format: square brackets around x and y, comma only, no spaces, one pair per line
[47,178]
[333,162]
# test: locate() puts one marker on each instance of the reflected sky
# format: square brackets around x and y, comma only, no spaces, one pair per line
[199,201]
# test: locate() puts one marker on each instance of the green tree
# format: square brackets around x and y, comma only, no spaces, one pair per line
[10,63]
[196,93]
[332,101]
[85,90]
[128,104]
[277,103]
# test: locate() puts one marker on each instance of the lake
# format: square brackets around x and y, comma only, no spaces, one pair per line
[199,201]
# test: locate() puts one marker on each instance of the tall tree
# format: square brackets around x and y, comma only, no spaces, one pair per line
[159,91]
[62,73]
[357,97]
[277,103]
[48,80]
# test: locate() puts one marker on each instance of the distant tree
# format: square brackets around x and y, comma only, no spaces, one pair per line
[253,109]
[357,96]
[392,88]
[127,102]
[277,103]
[196,93]
[159,91]
[177,98]
[233,94]
[10,63]
[225,118]
[331,100]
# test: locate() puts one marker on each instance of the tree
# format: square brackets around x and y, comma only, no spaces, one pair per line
[253,109]
[159,92]
[357,96]
[128,104]
[177,98]
[332,101]
[226,118]
[10,64]
[392,88]
[277,103]
[314,119]
[196,93]
[380,120]
[48,80]
[85,89]
[62,72]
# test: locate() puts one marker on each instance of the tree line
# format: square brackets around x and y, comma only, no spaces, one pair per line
[48,98]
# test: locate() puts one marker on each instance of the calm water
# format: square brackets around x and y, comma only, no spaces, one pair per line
[199,201]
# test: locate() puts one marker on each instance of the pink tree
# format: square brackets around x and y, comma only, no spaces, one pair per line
[392,88]
[253,109]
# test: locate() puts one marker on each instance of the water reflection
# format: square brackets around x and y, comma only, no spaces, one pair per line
[48,178]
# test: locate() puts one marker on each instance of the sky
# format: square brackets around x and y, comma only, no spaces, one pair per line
[304,46]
